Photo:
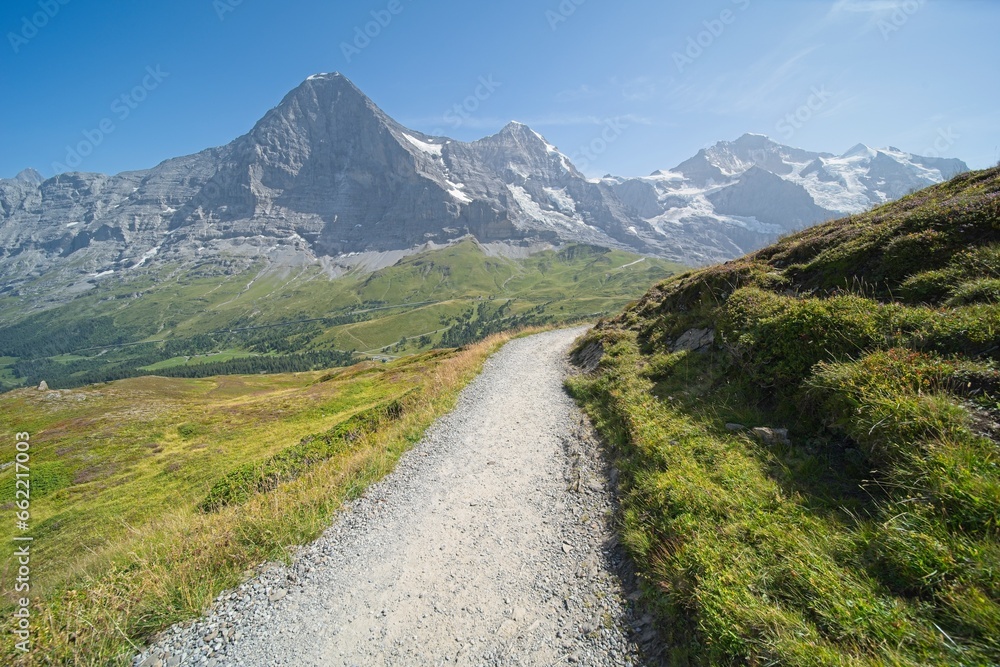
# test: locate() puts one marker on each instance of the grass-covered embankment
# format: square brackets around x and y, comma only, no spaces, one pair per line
[151,496]
[871,537]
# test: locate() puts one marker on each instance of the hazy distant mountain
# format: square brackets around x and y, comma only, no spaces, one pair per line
[327,178]
[765,189]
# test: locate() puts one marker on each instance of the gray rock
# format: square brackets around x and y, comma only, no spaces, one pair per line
[695,340]
[43,386]
[770,199]
[771,436]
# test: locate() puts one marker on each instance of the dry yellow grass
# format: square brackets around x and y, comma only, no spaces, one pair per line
[96,606]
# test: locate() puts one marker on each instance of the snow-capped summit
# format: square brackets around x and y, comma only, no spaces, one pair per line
[326,75]
[753,188]
[327,176]
[859,150]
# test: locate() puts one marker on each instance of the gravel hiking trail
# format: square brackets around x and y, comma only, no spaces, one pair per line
[492,543]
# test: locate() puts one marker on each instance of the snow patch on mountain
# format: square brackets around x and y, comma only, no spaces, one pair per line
[148,255]
[456,191]
[562,200]
[534,210]
[429,148]
[563,160]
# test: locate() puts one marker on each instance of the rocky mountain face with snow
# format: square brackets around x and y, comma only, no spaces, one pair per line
[745,193]
[327,178]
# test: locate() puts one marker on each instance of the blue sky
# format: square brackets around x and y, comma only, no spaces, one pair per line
[139,82]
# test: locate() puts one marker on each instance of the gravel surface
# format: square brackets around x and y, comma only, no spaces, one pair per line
[492,543]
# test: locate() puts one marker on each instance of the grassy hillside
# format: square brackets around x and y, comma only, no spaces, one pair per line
[217,320]
[871,534]
[150,496]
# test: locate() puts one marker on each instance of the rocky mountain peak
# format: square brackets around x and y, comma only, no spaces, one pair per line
[318,104]
[326,176]
[517,129]
[751,141]
[519,150]
[524,137]
[859,150]
[303,156]
[29,177]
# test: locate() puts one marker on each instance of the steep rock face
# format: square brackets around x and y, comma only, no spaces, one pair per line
[892,177]
[327,178]
[640,196]
[700,170]
[948,167]
[818,168]
[328,166]
[518,170]
[770,199]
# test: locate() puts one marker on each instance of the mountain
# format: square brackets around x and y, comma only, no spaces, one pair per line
[326,179]
[738,196]
[808,438]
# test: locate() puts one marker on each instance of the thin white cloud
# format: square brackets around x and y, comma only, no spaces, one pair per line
[765,87]
[698,96]
[871,12]
[583,92]
[589,120]
[635,89]
[641,88]
[768,91]
[841,105]
[868,6]
[493,123]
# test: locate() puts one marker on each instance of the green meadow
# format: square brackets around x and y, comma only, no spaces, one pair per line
[150,496]
[206,321]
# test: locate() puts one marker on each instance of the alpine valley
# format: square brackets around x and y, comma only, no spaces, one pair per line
[330,231]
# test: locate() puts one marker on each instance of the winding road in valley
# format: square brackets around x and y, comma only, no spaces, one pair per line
[492,543]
